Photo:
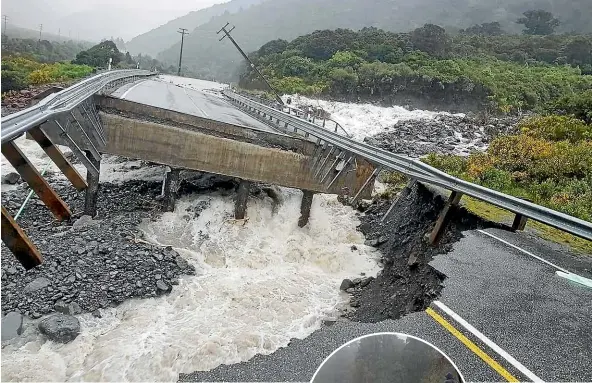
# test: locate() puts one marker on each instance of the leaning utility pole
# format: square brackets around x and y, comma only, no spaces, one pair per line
[5,19]
[183,32]
[227,33]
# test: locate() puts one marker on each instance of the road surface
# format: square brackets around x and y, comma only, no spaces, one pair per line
[523,322]
[503,315]
[196,97]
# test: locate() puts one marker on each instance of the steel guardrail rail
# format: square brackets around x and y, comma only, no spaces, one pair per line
[416,169]
[18,123]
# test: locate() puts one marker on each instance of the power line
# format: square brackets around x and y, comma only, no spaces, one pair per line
[227,34]
[183,32]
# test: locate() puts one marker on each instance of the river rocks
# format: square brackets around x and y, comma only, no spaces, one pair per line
[84,221]
[445,134]
[346,284]
[12,325]
[93,264]
[60,328]
[162,286]
[37,284]
[11,178]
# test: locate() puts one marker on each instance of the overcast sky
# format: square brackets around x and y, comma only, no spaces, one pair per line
[95,19]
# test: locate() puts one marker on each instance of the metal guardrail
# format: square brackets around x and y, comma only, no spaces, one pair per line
[66,100]
[418,170]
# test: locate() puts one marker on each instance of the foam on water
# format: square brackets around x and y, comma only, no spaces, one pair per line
[258,285]
[365,120]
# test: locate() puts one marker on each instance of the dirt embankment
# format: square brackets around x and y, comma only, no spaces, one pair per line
[407,283]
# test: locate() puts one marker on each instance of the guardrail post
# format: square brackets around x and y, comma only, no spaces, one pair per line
[305,206]
[444,217]
[519,222]
[92,191]
[58,158]
[242,195]
[39,185]
[18,242]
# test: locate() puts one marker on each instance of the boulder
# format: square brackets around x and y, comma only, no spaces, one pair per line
[60,328]
[37,284]
[346,284]
[84,221]
[12,326]
[162,286]
[11,178]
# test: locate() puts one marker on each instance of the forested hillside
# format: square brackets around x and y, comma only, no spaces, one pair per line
[429,68]
[288,19]
[43,51]
[161,38]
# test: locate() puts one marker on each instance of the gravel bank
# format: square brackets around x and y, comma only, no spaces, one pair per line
[94,263]
[445,134]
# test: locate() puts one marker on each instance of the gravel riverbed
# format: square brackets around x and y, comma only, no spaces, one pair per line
[444,134]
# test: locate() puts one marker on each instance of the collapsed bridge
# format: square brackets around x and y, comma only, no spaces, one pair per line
[287,151]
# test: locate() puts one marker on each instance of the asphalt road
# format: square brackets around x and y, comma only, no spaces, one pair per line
[540,322]
[503,314]
[196,97]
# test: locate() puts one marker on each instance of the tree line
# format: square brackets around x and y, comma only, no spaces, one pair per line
[480,67]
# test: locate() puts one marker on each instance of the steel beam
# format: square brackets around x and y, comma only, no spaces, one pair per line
[366,183]
[19,243]
[39,185]
[58,158]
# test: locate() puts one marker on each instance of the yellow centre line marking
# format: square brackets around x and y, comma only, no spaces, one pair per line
[472,346]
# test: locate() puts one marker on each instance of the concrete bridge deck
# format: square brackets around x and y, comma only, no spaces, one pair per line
[214,137]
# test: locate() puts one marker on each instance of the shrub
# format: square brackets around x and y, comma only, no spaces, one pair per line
[556,128]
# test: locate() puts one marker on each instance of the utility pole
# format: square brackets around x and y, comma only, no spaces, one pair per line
[227,34]
[59,33]
[5,21]
[40,29]
[183,32]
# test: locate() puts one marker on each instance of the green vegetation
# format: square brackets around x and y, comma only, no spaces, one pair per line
[539,22]
[549,163]
[43,51]
[19,72]
[501,73]
[287,19]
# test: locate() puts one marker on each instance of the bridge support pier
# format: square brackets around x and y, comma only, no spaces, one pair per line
[242,195]
[92,191]
[444,217]
[305,206]
[170,187]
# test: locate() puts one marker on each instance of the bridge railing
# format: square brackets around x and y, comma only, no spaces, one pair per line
[72,115]
[333,143]
[18,123]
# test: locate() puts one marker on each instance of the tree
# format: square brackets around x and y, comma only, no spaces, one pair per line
[431,39]
[485,29]
[128,58]
[343,81]
[98,55]
[274,46]
[578,51]
[538,22]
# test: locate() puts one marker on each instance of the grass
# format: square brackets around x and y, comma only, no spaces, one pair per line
[495,214]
